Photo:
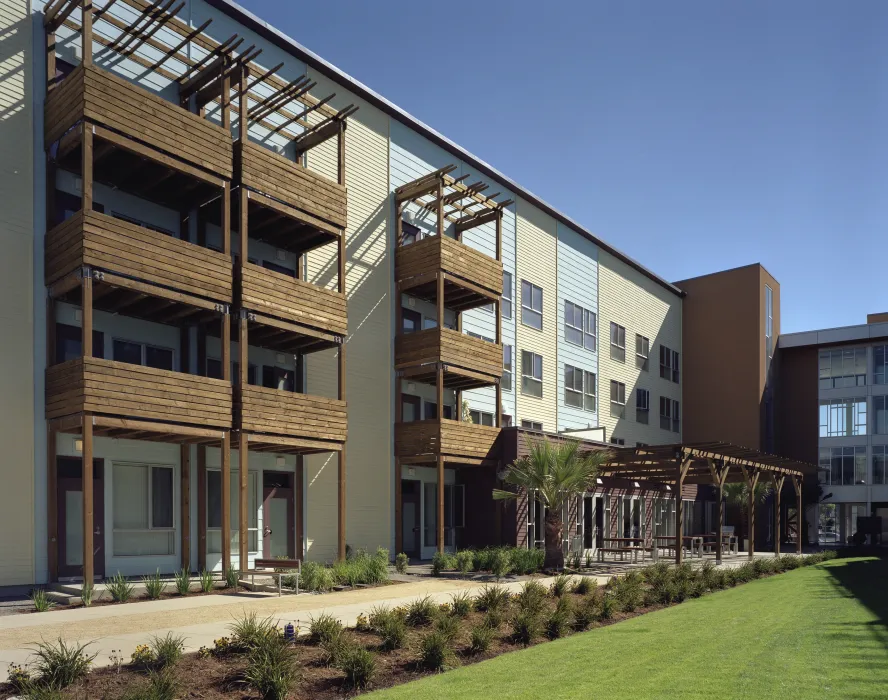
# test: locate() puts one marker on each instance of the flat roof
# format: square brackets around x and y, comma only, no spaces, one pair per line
[833,336]
[265,30]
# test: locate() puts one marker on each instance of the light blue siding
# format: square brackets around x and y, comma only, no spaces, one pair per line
[413,156]
[577,283]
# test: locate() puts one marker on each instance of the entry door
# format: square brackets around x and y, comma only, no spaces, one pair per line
[410,517]
[278,509]
[70,503]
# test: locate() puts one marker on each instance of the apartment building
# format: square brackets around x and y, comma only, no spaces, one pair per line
[832,410]
[263,311]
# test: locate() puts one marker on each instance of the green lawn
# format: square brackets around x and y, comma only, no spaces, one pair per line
[817,632]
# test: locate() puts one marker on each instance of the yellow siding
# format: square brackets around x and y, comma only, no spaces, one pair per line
[369,460]
[629,298]
[16,287]
[536,263]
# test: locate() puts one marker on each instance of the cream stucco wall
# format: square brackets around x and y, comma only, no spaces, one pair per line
[631,299]
[17,423]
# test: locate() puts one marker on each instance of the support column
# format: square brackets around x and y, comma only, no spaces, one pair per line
[341,508]
[225,447]
[185,504]
[778,487]
[52,505]
[201,507]
[86,32]
[399,509]
[439,380]
[243,488]
[440,200]
[684,464]
[300,506]
[88,547]
[86,167]
[751,476]
[498,422]
[50,61]
[719,475]
[440,492]
[797,484]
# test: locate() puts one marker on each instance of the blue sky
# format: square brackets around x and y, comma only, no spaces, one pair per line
[694,136]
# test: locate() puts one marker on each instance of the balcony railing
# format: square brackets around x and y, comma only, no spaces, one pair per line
[121,389]
[96,96]
[451,348]
[110,244]
[289,414]
[417,263]
[275,294]
[452,439]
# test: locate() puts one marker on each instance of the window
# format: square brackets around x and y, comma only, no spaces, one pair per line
[880,415]
[411,320]
[769,323]
[429,410]
[670,418]
[506,382]
[842,466]
[214,512]
[143,224]
[579,326]
[618,441]
[579,388]
[506,420]
[531,305]
[669,364]
[880,355]
[278,378]
[143,510]
[842,417]
[410,233]
[142,354]
[410,408]
[508,294]
[274,267]
[618,342]
[481,417]
[590,331]
[69,343]
[532,425]
[67,204]
[531,374]
[642,351]
[472,334]
[618,399]
[642,405]
[840,369]
[880,464]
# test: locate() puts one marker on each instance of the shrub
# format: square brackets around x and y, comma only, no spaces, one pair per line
[317,577]
[378,615]
[790,562]
[142,655]
[359,666]
[526,561]
[420,612]
[526,627]
[559,620]
[500,563]
[58,665]
[608,607]
[182,582]
[232,576]
[41,601]
[532,597]
[271,668]
[448,626]
[438,563]
[493,619]
[205,579]
[482,560]
[460,604]
[763,566]
[88,594]
[401,562]
[731,578]
[584,585]
[120,589]
[335,647]
[167,651]
[393,631]
[656,573]
[154,585]
[492,598]
[627,591]
[481,638]
[745,572]
[161,685]
[434,651]
[560,585]
[19,677]
[464,561]
[324,628]
[585,614]
[829,554]
[589,560]
[250,631]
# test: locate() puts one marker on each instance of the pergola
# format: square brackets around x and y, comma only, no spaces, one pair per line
[713,463]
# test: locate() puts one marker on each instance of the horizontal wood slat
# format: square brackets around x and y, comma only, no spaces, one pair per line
[106,243]
[265,410]
[276,294]
[121,389]
[287,181]
[447,437]
[450,347]
[444,253]
[105,99]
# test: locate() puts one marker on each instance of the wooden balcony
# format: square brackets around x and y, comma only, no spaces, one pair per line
[468,362]
[304,308]
[134,258]
[471,278]
[456,441]
[132,391]
[143,143]
[305,419]
[290,207]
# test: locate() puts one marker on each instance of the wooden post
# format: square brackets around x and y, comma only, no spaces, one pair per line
[719,475]
[684,464]
[86,32]
[86,308]
[52,505]
[440,528]
[50,61]
[797,484]
[201,508]
[243,112]
[86,167]
[399,508]
[87,471]
[440,208]
[243,489]
[340,154]
[778,487]
[751,476]
[499,321]
[341,505]
[185,503]
[300,510]
[225,447]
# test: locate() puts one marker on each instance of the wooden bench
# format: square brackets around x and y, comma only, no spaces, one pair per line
[278,568]
[617,550]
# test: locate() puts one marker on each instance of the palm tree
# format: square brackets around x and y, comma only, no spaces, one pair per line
[555,473]
[737,494]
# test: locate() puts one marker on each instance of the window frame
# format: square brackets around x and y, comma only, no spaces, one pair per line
[836,414]
[617,351]
[531,425]
[532,377]
[570,386]
[481,416]
[642,405]
[507,379]
[508,297]
[642,352]
[143,352]
[530,310]
[620,399]
[149,495]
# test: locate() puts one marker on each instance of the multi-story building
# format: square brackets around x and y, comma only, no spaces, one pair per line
[205,217]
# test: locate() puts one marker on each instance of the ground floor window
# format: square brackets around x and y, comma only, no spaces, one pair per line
[837,522]
[214,512]
[143,510]
[631,517]
[454,512]
[664,517]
